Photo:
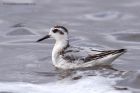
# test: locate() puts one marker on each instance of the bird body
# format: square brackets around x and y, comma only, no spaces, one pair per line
[65,56]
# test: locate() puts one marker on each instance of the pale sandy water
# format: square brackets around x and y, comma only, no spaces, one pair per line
[25,66]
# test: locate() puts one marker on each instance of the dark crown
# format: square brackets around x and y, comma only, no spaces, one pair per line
[62,27]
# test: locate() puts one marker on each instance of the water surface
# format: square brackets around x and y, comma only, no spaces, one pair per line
[26,66]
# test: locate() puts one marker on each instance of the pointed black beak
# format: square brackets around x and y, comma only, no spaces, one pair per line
[45,37]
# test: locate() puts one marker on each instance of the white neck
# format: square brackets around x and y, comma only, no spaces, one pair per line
[58,47]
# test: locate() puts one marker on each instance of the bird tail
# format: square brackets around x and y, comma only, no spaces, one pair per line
[121,51]
[111,55]
[106,57]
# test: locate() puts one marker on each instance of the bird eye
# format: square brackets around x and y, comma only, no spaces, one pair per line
[61,33]
[55,30]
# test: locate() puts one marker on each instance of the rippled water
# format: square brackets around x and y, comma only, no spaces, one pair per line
[26,67]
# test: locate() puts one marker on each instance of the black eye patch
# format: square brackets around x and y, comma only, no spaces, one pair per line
[61,32]
[55,30]
[58,31]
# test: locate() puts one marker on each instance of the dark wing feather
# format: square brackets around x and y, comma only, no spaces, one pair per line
[71,54]
[103,54]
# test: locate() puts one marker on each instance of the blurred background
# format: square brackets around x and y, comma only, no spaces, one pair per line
[101,24]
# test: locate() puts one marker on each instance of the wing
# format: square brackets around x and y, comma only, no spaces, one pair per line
[103,54]
[77,54]
[82,55]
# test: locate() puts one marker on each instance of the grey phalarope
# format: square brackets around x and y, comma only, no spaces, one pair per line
[65,56]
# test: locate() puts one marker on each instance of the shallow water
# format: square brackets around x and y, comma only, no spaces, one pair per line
[26,67]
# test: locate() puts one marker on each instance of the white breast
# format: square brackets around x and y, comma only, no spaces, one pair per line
[58,47]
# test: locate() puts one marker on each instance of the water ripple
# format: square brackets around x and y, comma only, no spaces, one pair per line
[18,1]
[92,84]
[107,15]
[20,31]
[103,16]
[127,37]
[132,4]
